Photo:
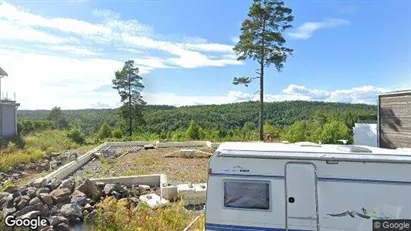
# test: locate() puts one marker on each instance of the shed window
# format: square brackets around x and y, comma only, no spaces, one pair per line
[246,195]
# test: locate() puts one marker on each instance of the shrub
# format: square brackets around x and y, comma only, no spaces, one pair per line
[104,132]
[117,133]
[8,160]
[76,136]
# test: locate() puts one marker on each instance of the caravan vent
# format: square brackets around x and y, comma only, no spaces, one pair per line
[308,144]
[352,148]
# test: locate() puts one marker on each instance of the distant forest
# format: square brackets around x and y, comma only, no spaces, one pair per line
[220,120]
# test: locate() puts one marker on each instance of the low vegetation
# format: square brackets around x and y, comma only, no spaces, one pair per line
[116,215]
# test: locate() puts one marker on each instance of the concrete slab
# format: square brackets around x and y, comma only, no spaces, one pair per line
[153,200]
[154,180]
[212,145]
[187,152]
[194,195]
[169,192]
[180,144]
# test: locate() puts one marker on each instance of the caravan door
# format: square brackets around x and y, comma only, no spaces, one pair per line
[301,206]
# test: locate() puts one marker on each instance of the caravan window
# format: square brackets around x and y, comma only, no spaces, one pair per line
[247,195]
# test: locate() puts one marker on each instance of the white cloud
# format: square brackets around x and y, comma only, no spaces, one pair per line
[14,32]
[124,34]
[73,49]
[306,30]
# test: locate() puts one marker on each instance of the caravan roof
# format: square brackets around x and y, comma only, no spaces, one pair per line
[308,150]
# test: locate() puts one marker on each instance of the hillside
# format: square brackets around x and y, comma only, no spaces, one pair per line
[166,119]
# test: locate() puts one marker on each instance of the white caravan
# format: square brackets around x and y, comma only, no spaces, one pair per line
[307,186]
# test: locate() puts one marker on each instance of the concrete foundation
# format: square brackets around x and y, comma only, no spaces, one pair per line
[169,192]
[194,195]
[180,144]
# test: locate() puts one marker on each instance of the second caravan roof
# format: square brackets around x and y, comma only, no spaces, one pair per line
[307,150]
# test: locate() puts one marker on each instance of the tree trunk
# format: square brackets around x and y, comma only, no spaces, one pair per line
[129,108]
[261,119]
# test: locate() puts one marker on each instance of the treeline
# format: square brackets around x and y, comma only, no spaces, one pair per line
[236,121]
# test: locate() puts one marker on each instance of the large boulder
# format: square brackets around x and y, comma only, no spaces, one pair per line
[46,198]
[68,184]
[71,211]
[55,220]
[90,189]
[110,188]
[42,190]
[61,195]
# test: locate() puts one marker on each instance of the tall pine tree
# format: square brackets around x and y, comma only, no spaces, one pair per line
[262,40]
[129,85]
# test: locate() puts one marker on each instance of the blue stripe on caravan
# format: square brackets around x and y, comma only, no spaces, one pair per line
[329,179]
[218,227]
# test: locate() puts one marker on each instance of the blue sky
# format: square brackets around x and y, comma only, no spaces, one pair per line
[64,53]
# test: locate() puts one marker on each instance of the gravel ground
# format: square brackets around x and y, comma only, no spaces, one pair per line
[142,162]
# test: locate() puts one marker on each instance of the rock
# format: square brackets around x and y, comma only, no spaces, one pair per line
[39,183]
[116,194]
[7,202]
[25,210]
[21,204]
[135,200]
[76,194]
[46,198]
[109,188]
[88,207]
[16,176]
[30,166]
[31,192]
[148,146]
[61,195]
[4,194]
[42,190]
[48,228]
[100,186]
[43,209]
[35,201]
[52,185]
[54,210]
[144,187]
[30,215]
[62,227]
[81,201]
[59,205]
[68,184]
[90,189]
[71,211]
[11,189]
[55,220]
[92,217]
[8,211]
[23,191]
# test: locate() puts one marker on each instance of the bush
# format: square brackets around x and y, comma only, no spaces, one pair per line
[104,132]
[76,136]
[117,133]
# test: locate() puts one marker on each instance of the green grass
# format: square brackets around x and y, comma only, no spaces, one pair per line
[7,160]
[51,141]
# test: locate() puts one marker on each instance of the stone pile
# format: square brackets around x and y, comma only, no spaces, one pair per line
[64,203]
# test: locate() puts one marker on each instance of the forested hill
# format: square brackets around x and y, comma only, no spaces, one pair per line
[165,119]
